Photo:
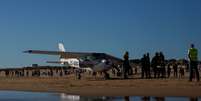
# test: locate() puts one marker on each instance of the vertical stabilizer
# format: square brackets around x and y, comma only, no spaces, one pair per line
[61,47]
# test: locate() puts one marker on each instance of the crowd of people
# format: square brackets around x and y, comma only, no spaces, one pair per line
[157,64]
[158,68]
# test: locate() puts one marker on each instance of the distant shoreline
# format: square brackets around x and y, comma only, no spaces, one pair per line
[131,87]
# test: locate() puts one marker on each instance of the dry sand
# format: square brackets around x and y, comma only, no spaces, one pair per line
[92,87]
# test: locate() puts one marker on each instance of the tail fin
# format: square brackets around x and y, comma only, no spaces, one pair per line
[61,47]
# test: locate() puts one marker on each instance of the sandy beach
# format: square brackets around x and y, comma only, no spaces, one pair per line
[100,87]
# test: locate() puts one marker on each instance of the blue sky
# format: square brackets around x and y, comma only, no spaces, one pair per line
[111,26]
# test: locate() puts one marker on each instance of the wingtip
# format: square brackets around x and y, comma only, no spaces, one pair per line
[28,51]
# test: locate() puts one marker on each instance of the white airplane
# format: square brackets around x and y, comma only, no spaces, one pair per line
[95,62]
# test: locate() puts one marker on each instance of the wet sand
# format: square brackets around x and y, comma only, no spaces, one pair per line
[100,87]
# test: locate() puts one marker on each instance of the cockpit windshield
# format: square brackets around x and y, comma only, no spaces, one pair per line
[94,56]
[88,58]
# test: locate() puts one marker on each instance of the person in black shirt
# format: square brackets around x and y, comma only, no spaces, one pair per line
[154,63]
[143,66]
[126,65]
[148,72]
[162,65]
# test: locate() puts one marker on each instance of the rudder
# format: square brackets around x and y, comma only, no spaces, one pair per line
[61,47]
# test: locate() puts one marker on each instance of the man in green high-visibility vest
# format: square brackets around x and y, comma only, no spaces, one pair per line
[193,58]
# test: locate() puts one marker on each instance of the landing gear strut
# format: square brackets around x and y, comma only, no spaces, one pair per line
[107,75]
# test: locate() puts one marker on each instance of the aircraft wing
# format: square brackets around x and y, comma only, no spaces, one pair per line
[43,52]
[114,59]
[56,62]
[77,55]
[60,53]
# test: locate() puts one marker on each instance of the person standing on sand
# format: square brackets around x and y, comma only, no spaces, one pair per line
[162,65]
[143,67]
[154,64]
[168,70]
[148,72]
[193,58]
[175,70]
[126,65]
